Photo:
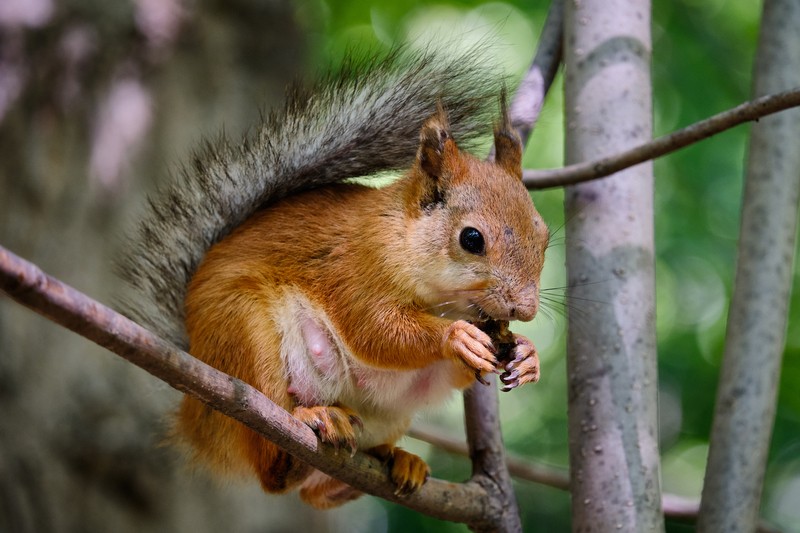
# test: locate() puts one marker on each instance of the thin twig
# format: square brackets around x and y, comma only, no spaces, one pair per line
[590,170]
[518,467]
[529,98]
[30,286]
[675,507]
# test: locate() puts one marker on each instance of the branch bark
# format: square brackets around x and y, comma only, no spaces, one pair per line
[755,341]
[486,450]
[529,98]
[31,287]
[611,354]
[605,166]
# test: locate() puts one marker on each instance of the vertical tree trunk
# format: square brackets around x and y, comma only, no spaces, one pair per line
[745,408]
[611,352]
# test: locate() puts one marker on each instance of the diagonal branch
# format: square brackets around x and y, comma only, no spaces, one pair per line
[30,286]
[529,98]
[590,170]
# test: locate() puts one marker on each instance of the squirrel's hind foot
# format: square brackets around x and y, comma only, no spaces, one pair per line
[407,471]
[324,492]
[332,423]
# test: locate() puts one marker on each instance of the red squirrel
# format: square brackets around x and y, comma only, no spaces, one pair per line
[352,307]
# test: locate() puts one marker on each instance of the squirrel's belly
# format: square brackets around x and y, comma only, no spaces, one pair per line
[322,371]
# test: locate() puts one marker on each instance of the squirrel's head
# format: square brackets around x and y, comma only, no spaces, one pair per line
[482,239]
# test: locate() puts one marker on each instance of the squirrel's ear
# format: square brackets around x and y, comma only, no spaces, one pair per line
[432,139]
[507,144]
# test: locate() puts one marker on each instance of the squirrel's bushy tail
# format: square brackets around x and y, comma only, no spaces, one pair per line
[363,119]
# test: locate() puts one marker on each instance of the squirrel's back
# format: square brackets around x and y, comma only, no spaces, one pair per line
[361,120]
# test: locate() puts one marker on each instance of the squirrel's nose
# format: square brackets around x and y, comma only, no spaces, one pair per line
[526,304]
[524,312]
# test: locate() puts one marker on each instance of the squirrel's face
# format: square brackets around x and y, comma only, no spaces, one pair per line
[478,229]
[484,245]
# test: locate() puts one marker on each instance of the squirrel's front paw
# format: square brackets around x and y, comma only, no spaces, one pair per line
[333,424]
[407,471]
[467,343]
[524,367]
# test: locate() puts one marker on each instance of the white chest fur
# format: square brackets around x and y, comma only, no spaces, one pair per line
[321,370]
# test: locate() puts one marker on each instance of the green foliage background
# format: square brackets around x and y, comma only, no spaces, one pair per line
[702,62]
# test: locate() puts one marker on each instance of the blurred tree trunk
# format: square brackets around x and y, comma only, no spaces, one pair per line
[611,353]
[756,335]
[97,100]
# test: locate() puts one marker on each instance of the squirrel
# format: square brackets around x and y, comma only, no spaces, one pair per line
[350,306]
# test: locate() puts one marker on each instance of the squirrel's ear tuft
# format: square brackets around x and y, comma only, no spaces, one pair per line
[507,144]
[432,139]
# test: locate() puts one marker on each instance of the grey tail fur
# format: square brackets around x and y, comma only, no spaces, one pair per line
[361,120]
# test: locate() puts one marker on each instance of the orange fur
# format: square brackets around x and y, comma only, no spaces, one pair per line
[376,278]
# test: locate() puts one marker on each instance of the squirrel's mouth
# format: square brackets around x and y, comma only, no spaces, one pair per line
[482,315]
[465,310]
[481,309]
[506,313]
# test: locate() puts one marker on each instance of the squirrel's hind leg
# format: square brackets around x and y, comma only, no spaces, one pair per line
[334,424]
[229,447]
[276,470]
[407,471]
[324,492]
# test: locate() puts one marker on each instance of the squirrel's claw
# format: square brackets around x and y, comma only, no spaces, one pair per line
[479,377]
[523,368]
[407,471]
[332,424]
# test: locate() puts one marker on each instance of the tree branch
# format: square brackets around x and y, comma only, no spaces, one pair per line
[675,507]
[518,467]
[486,450]
[529,98]
[30,286]
[590,170]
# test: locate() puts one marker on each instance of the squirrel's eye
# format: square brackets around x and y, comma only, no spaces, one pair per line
[472,241]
